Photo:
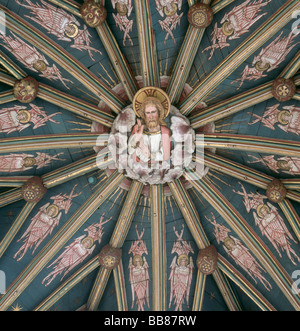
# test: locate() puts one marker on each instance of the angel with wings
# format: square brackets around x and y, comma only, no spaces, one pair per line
[238,252]
[269,58]
[124,9]
[31,58]
[139,274]
[77,251]
[60,24]
[288,119]
[43,223]
[181,271]
[236,23]
[272,226]
[168,9]
[22,162]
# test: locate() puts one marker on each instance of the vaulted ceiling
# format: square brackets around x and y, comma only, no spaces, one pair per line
[78,234]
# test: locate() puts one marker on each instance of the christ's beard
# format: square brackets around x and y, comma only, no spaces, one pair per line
[152,124]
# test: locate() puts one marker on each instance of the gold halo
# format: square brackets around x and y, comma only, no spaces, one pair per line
[259,68]
[225,30]
[280,165]
[53,207]
[24,112]
[260,207]
[181,257]
[39,65]
[31,160]
[172,11]
[152,92]
[89,240]
[121,9]
[75,33]
[279,117]
[228,240]
[135,258]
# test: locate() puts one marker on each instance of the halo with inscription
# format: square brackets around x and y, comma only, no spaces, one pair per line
[151,92]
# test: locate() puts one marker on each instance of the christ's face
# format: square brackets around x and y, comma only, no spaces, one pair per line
[151,116]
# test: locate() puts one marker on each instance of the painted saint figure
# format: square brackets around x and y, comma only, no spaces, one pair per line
[181,272]
[239,252]
[31,58]
[139,274]
[77,251]
[235,23]
[43,223]
[22,162]
[288,119]
[18,118]
[60,24]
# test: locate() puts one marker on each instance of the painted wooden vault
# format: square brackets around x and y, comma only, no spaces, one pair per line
[76,234]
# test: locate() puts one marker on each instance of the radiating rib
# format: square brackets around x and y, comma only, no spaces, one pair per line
[292,68]
[245,286]
[199,292]
[57,242]
[120,287]
[52,141]
[13,181]
[68,284]
[64,59]
[147,44]
[246,235]
[158,239]
[11,67]
[250,144]
[274,24]
[7,96]
[192,220]
[116,241]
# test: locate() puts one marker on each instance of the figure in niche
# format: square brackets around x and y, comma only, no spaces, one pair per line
[77,251]
[181,272]
[288,119]
[269,221]
[146,149]
[240,253]
[124,9]
[269,58]
[287,164]
[272,226]
[236,23]
[32,59]
[22,162]
[43,223]
[138,271]
[18,118]
[169,9]
[61,24]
